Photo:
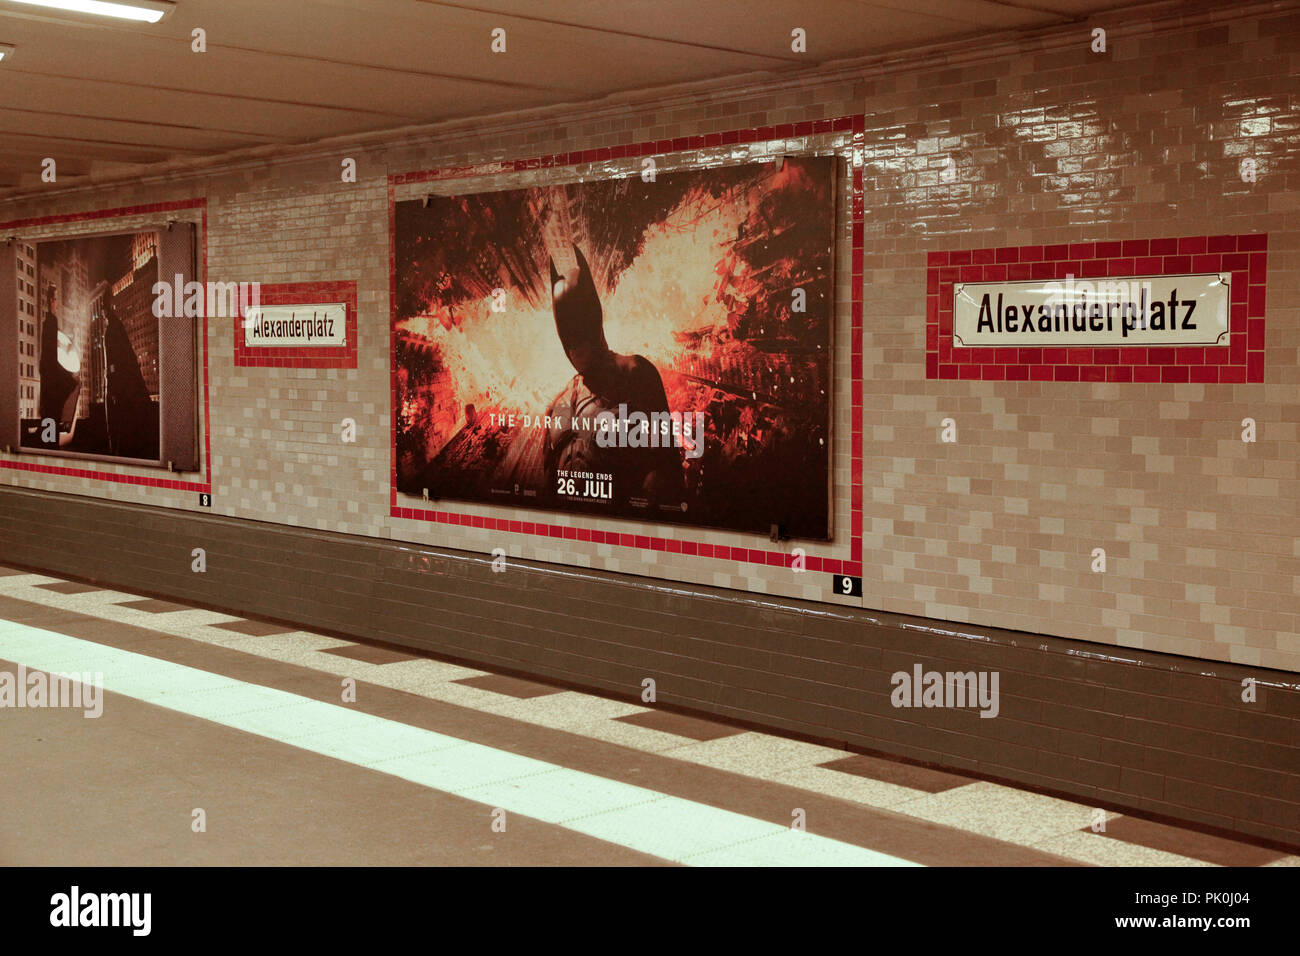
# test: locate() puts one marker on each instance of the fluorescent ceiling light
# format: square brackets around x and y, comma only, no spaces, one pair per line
[145,11]
[5,51]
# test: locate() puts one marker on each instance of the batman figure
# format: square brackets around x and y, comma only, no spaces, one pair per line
[59,387]
[646,481]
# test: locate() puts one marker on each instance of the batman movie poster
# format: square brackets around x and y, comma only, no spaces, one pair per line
[92,385]
[655,348]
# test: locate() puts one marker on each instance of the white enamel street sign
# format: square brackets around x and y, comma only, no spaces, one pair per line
[296,326]
[1139,311]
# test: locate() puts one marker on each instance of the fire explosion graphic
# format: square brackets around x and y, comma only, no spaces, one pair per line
[715,282]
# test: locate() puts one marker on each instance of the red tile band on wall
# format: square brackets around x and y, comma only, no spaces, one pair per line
[204,486]
[301,293]
[856,126]
[1245,257]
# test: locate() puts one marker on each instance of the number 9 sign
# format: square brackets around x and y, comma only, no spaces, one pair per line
[845,585]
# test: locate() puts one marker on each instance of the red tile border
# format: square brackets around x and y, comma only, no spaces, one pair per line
[1242,360]
[204,486]
[302,293]
[855,125]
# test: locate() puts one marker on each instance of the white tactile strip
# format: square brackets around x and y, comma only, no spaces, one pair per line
[638,818]
[1015,816]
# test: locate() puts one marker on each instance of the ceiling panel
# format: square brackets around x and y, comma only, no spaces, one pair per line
[106,93]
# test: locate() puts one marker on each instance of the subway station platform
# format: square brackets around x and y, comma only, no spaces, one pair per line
[245,723]
[702,434]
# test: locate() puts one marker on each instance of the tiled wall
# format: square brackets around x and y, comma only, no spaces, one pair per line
[1040,143]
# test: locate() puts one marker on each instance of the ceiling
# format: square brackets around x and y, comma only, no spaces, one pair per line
[107,96]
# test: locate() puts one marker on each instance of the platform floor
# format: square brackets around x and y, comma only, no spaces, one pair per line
[243,725]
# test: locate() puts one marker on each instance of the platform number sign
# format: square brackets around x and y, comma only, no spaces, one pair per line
[205,500]
[846,585]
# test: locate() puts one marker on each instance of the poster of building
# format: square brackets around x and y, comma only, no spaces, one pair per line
[653,347]
[96,363]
